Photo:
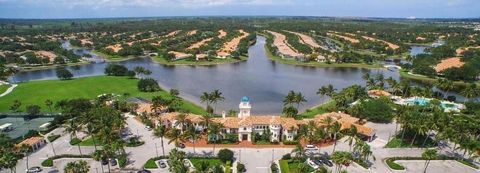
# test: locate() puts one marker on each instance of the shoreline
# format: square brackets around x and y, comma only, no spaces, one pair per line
[320,65]
[54,66]
[429,80]
[162,61]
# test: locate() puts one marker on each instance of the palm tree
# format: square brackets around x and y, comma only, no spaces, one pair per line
[470,91]
[9,160]
[216,96]
[362,148]
[192,134]
[352,135]
[428,155]
[77,167]
[174,134]
[366,76]
[214,130]
[380,81]
[160,131]
[49,104]
[91,129]
[444,84]
[217,169]
[335,130]
[72,127]
[299,151]
[290,98]
[299,99]
[327,90]
[158,102]
[203,167]
[206,97]
[25,149]
[206,120]
[181,120]
[290,111]
[341,158]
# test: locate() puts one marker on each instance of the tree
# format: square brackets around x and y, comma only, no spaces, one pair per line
[148,85]
[25,149]
[299,99]
[49,104]
[225,155]
[160,131]
[9,160]
[290,111]
[429,155]
[335,130]
[116,70]
[470,91]
[290,98]
[72,127]
[63,74]
[16,104]
[77,167]
[206,98]
[352,135]
[216,96]
[299,151]
[214,130]
[327,90]
[341,158]
[174,134]
[33,110]
[142,70]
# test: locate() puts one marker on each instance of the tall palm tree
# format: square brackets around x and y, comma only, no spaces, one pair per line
[290,111]
[9,160]
[335,130]
[91,130]
[290,98]
[299,151]
[366,76]
[327,90]
[444,84]
[181,120]
[216,96]
[158,102]
[72,127]
[352,135]
[341,158]
[428,155]
[25,149]
[206,120]
[470,91]
[206,98]
[214,130]
[49,104]
[175,135]
[160,131]
[299,99]
[192,135]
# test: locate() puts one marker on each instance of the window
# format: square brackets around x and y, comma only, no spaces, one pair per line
[244,128]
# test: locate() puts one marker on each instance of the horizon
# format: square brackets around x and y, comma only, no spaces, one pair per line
[94,9]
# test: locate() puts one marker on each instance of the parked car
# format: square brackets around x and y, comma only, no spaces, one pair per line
[311,147]
[34,169]
[104,162]
[311,163]
[327,162]
[148,128]
[113,162]
[144,171]
[318,162]
[162,164]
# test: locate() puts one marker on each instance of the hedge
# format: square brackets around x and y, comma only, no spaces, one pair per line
[390,162]
[49,162]
[393,165]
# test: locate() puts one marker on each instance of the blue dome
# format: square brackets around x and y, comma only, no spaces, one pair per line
[245,99]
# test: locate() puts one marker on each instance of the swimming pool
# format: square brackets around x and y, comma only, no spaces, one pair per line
[446,105]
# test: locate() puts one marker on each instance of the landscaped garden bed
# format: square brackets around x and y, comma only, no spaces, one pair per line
[395,166]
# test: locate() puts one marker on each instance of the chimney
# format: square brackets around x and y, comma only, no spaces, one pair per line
[224,114]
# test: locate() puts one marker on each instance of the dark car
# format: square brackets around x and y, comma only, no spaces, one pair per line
[318,162]
[34,169]
[104,162]
[327,162]
[144,171]
[113,162]
[181,145]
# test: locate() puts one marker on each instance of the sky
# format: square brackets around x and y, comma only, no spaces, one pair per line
[41,9]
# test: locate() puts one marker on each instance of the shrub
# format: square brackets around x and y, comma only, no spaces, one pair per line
[394,165]
[274,168]
[287,156]
[75,141]
[52,138]
[47,163]
[64,74]
[116,70]
[241,167]
[148,85]
[122,161]
[225,155]
[290,142]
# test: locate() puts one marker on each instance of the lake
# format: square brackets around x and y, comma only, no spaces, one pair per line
[264,81]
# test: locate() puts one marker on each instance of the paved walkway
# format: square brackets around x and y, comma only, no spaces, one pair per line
[9,90]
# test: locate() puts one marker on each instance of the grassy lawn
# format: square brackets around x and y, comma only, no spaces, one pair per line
[397,142]
[150,164]
[428,80]
[320,109]
[36,92]
[89,142]
[319,64]
[111,57]
[287,166]
[211,161]
[4,88]
[192,61]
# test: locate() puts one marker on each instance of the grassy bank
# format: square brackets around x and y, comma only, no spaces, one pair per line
[4,88]
[429,80]
[192,61]
[318,64]
[43,67]
[36,92]
[112,58]
[320,109]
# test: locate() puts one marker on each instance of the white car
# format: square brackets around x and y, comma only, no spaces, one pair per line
[311,147]
[312,164]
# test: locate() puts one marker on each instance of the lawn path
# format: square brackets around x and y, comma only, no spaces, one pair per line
[9,90]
